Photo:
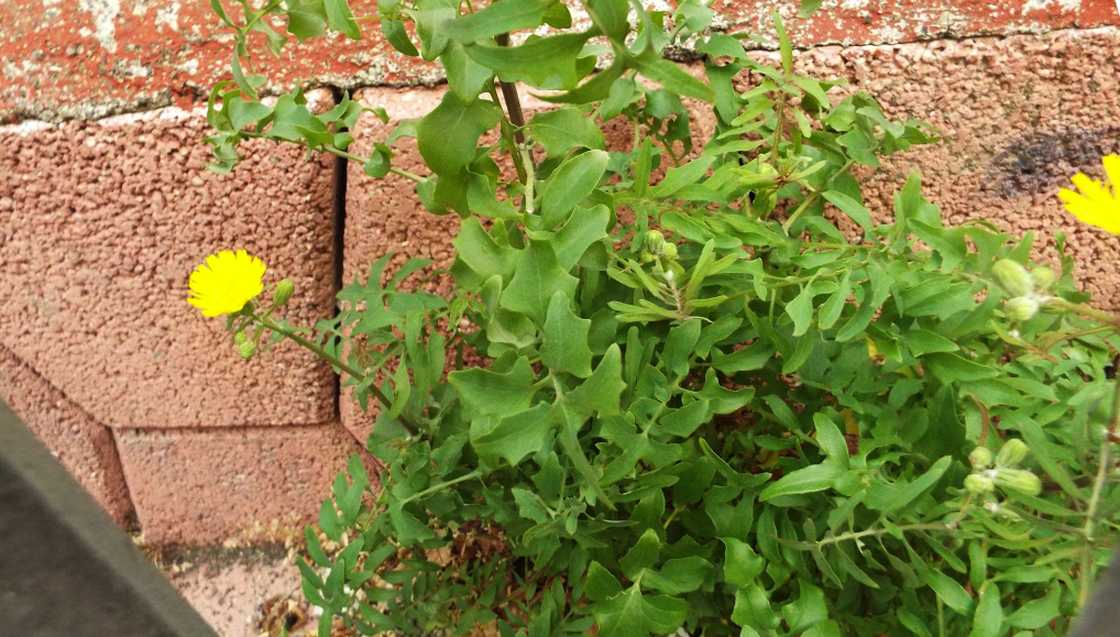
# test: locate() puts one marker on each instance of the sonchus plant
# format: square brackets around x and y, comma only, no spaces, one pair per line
[719,395]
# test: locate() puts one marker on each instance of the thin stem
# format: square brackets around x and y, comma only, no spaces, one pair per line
[844,537]
[338,152]
[442,485]
[1087,312]
[335,361]
[1092,511]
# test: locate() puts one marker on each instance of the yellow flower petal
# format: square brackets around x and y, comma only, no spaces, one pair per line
[1095,203]
[225,282]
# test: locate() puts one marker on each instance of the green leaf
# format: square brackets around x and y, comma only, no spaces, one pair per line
[550,62]
[679,346]
[811,479]
[306,19]
[447,136]
[684,420]
[632,614]
[784,44]
[1043,452]
[873,299]
[243,113]
[741,565]
[481,253]
[642,555]
[891,497]
[514,437]
[849,206]
[570,185]
[673,78]
[800,309]
[948,590]
[611,17]
[752,609]
[750,358]
[679,575]
[922,342]
[1039,612]
[601,583]
[341,19]
[989,614]
[678,177]
[834,306]
[808,8]
[830,439]
[564,129]
[564,347]
[585,227]
[498,18]
[952,368]
[485,392]
[809,608]
[602,391]
[465,76]
[537,277]
[396,34]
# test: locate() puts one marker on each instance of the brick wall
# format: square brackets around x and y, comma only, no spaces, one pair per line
[105,206]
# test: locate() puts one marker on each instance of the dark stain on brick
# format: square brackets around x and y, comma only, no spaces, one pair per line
[1035,163]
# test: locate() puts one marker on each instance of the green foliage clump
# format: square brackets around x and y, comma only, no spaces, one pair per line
[719,397]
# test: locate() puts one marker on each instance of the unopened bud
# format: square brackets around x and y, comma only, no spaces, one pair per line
[1042,277]
[1012,453]
[1013,277]
[1019,480]
[246,349]
[977,484]
[669,250]
[980,458]
[284,290]
[655,242]
[1021,308]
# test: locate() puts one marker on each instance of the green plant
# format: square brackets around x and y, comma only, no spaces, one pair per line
[718,397]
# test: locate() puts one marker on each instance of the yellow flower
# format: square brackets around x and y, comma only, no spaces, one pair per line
[225,282]
[1097,204]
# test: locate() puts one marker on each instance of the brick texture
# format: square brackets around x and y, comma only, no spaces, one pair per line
[84,59]
[101,224]
[230,485]
[83,446]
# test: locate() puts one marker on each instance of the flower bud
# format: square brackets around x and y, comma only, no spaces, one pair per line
[1013,277]
[1042,277]
[669,250]
[980,458]
[1019,480]
[655,242]
[246,349]
[1012,453]
[284,290]
[977,484]
[1021,308]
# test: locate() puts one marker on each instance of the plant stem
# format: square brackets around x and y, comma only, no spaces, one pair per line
[352,157]
[1091,513]
[843,537]
[335,361]
[442,485]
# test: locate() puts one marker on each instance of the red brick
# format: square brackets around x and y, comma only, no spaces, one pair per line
[101,224]
[72,59]
[83,446]
[218,485]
